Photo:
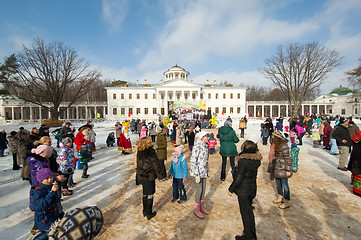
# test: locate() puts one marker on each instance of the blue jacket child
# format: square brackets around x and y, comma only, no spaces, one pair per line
[46,202]
[179,171]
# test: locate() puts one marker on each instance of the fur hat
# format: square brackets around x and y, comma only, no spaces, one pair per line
[228,123]
[179,149]
[279,134]
[43,150]
[67,140]
[43,173]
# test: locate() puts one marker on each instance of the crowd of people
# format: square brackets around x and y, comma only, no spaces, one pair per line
[50,179]
[50,171]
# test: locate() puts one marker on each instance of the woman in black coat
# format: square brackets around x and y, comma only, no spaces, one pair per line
[148,169]
[244,185]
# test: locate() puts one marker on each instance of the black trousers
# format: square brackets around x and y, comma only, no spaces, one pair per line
[162,167]
[224,164]
[245,207]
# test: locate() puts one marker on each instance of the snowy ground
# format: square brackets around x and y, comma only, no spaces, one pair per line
[322,203]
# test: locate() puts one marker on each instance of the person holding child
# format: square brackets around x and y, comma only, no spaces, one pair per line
[179,172]
[199,169]
[244,185]
[46,202]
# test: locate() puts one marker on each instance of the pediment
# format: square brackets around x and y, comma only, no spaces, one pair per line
[178,83]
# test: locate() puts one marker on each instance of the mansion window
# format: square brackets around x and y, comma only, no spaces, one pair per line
[130,96]
[238,95]
[146,96]
[238,110]
[201,95]
[130,110]
[114,96]
[216,95]
[224,96]
[231,95]
[217,110]
[178,96]
[224,110]
[145,110]
[185,96]
[138,110]
[162,111]
[154,96]
[154,110]
[209,96]
[231,110]
[114,111]
[162,96]
[122,111]
[343,111]
[193,95]
[122,96]
[138,96]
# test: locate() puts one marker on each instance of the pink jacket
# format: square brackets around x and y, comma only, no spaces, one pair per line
[212,144]
[299,130]
[143,132]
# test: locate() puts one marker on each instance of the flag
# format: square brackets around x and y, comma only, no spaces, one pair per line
[98,115]
[119,115]
[129,114]
[222,113]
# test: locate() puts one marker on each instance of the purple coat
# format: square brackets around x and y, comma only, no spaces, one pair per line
[36,162]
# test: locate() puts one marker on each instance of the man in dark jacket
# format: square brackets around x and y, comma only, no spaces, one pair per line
[342,136]
[66,131]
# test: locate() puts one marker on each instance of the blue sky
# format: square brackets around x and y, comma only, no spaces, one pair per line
[212,39]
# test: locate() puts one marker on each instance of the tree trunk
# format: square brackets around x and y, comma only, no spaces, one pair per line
[55,114]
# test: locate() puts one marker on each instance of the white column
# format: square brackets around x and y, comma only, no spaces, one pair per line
[31,113]
[255,111]
[76,112]
[86,112]
[279,110]
[262,110]
[318,109]
[270,110]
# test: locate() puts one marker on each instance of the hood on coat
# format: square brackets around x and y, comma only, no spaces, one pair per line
[251,156]
[32,158]
[225,130]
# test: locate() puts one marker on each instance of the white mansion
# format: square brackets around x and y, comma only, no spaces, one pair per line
[149,101]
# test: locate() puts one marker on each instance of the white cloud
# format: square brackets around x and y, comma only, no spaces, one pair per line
[221,28]
[114,12]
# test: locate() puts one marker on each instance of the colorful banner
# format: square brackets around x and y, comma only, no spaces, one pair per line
[186,105]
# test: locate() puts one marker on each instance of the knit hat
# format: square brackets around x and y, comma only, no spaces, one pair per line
[43,173]
[279,134]
[293,145]
[228,123]
[43,150]
[67,140]
[179,149]
[211,137]
[68,123]
[343,120]
[200,135]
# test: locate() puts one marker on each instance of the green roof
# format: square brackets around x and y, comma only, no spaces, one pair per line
[341,91]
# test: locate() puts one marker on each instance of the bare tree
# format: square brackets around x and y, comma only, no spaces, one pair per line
[354,77]
[50,73]
[298,69]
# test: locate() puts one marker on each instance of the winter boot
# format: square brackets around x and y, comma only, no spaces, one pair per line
[285,204]
[150,213]
[203,209]
[278,200]
[223,176]
[145,205]
[197,210]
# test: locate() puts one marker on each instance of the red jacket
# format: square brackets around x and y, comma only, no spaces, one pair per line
[79,140]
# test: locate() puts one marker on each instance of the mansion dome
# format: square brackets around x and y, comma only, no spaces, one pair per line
[176,72]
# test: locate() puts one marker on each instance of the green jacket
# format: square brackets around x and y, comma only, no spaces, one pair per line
[228,139]
[162,146]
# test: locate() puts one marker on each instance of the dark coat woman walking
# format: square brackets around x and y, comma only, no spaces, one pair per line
[148,169]
[228,139]
[244,185]
[161,149]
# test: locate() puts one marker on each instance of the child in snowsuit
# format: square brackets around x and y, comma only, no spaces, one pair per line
[46,202]
[84,154]
[212,144]
[179,171]
[294,156]
[316,137]
[264,134]
[67,163]
[110,140]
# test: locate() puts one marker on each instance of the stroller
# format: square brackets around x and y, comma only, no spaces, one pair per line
[56,134]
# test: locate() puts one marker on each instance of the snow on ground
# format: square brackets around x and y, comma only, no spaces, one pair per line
[322,203]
